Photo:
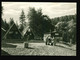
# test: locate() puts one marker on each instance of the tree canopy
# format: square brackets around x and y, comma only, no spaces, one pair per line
[67,25]
[22,20]
[39,23]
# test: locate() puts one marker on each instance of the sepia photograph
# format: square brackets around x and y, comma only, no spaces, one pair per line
[38,28]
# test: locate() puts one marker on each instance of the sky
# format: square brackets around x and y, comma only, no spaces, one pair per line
[52,9]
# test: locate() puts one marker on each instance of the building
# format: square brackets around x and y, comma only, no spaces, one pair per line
[3,31]
[27,31]
[13,33]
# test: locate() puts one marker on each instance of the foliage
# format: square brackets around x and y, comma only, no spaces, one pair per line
[11,21]
[22,20]
[1,10]
[39,23]
[2,22]
[67,26]
[6,26]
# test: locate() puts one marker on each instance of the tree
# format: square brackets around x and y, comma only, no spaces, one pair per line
[67,26]
[6,25]
[38,22]
[11,21]
[1,10]
[72,30]
[47,23]
[2,22]
[34,20]
[22,20]
[54,21]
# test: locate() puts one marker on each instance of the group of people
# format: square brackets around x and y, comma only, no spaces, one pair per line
[50,40]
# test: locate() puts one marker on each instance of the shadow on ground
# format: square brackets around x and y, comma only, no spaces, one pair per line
[8,45]
[3,53]
[30,48]
[65,47]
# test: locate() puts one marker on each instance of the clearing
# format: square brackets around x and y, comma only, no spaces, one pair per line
[39,49]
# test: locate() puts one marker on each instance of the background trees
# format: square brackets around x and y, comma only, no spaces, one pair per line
[1,10]
[67,26]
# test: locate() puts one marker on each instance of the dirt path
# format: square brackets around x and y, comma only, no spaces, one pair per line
[42,49]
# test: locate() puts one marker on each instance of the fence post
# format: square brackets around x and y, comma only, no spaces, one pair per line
[26,44]
[70,42]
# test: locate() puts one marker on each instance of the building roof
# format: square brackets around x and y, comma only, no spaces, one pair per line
[25,30]
[3,29]
[10,29]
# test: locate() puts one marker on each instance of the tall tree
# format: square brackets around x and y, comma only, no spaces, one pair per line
[22,20]
[38,22]
[33,21]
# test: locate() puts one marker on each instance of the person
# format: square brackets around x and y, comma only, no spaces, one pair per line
[49,40]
